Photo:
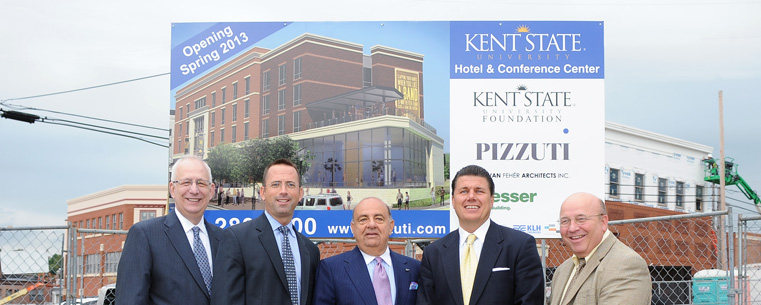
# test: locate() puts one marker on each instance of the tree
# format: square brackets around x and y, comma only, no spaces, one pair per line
[446,166]
[225,163]
[377,168]
[258,153]
[55,263]
[332,166]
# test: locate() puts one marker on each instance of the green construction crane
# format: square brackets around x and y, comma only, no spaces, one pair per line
[730,178]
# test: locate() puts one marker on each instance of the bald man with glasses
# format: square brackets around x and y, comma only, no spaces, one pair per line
[602,269]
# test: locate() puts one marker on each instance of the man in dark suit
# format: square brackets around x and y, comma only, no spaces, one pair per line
[252,264]
[351,279]
[167,260]
[497,265]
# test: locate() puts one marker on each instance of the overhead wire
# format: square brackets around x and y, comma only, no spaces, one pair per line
[92,127]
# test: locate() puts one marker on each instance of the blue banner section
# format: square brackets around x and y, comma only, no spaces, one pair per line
[526,50]
[215,45]
[336,224]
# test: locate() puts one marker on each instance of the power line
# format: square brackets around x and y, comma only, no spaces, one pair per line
[22,107]
[82,89]
[103,131]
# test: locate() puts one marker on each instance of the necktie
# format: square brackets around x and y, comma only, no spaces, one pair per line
[468,269]
[290,267]
[381,284]
[199,251]
[582,263]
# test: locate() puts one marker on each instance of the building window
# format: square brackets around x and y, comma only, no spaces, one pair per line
[179,132]
[180,112]
[281,100]
[235,90]
[662,191]
[245,108]
[113,218]
[281,125]
[265,128]
[265,104]
[679,194]
[614,175]
[145,215]
[100,222]
[88,224]
[367,77]
[296,121]
[265,80]
[235,112]
[112,262]
[248,84]
[224,95]
[245,131]
[121,221]
[698,198]
[211,138]
[200,102]
[222,117]
[297,95]
[222,136]
[297,68]
[235,133]
[213,119]
[639,187]
[213,99]
[281,75]
[92,264]
[108,223]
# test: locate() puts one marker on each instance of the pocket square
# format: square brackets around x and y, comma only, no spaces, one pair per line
[500,269]
[413,286]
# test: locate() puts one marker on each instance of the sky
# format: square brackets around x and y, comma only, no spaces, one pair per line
[665,60]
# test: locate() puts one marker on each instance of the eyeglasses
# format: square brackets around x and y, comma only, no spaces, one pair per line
[188,182]
[579,219]
[288,184]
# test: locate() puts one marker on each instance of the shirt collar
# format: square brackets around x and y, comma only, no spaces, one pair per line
[187,226]
[386,256]
[576,258]
[480,233]
[275,224]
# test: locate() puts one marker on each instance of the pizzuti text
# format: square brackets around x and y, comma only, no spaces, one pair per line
[528,43]
[523,151]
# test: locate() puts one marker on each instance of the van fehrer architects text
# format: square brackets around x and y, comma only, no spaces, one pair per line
[523,151]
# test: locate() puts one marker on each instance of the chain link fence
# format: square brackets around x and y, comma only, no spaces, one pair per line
[749,255]
[31,264]
[683,251]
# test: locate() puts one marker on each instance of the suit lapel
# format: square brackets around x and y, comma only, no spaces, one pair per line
[267,238]
[214,238]
[356,270]
[450,256]
[402,277]
[306,267]
[558,284]
[592,263]
[178,239]
[489,253]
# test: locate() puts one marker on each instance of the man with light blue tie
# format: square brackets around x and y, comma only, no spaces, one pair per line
[265,260]
[371,274]
[168,260]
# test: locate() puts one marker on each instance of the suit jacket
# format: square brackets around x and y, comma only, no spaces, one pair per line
[614,274]
[157,265]
[248,268]
[509,270]
[343,279]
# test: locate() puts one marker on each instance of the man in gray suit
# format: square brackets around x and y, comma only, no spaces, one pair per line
[167,260]
[602,269]
[253,265]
